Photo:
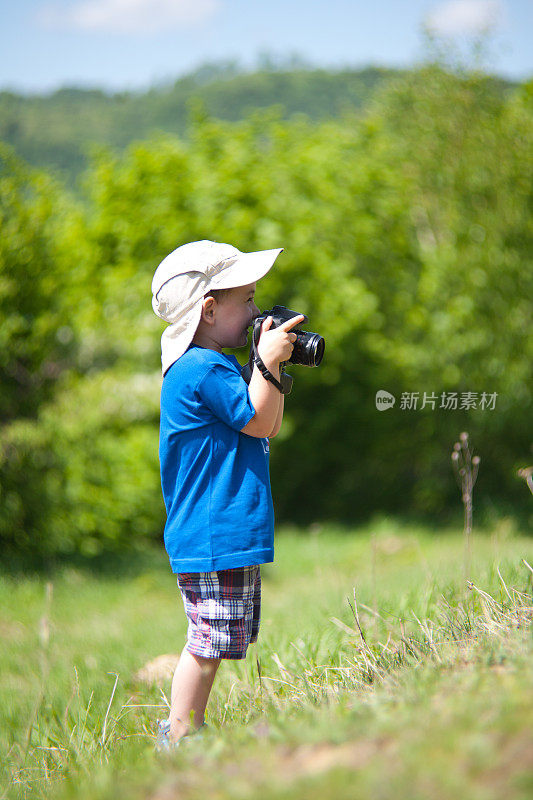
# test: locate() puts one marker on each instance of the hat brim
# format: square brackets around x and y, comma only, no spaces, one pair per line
[247,268]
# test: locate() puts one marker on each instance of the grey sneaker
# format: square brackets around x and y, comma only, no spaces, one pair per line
[163,743]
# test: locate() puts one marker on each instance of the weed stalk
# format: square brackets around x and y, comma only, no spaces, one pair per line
[466,468]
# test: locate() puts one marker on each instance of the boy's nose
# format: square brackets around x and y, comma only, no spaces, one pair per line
[255,310]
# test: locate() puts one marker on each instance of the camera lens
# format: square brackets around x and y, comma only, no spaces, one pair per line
[308,349]
[318,346]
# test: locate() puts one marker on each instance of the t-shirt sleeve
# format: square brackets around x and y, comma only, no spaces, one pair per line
[226,395]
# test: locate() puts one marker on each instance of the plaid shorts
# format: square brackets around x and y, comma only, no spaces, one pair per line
[223,610]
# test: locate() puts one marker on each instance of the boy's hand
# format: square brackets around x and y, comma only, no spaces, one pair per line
[276,345]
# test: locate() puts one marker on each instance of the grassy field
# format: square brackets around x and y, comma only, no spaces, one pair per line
[379,673]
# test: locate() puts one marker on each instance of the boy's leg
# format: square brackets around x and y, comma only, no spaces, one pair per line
[191,686]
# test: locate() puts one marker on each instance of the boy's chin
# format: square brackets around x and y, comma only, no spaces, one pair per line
[236,344]
[244,338]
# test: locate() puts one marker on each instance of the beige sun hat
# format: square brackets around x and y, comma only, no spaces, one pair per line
[184,277]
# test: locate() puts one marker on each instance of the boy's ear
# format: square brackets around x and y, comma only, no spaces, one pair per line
[208,309]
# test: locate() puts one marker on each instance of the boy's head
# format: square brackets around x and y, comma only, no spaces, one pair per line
[225,317]
[205,290]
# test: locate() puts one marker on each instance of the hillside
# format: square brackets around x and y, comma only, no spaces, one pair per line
[55,131]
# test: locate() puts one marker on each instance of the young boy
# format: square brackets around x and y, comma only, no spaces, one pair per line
[214,457]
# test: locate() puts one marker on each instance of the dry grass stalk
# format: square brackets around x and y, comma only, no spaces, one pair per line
[103,738]
[466,468]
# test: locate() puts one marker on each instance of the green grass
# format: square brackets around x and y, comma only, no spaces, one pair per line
[431,697]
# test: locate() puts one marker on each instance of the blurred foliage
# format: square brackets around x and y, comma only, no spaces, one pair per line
[34,345]
[56,131]
[407,236]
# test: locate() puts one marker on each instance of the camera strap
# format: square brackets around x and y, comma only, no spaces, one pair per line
[284,385]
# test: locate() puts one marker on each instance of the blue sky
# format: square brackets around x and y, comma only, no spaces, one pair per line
[128,44]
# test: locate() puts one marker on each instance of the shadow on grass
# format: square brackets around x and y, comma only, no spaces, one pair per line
[127,564]
[149,555]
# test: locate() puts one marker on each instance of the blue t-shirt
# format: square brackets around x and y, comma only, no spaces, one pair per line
[215,480]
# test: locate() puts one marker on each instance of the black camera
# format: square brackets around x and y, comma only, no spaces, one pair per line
[308,348]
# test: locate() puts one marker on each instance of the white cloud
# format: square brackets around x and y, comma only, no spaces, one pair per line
[464,17]
[128,16]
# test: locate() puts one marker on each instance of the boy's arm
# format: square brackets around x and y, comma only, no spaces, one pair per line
[279,419]
[274,347]
[265,400]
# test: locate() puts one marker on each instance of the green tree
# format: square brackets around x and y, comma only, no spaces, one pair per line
[36,343]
